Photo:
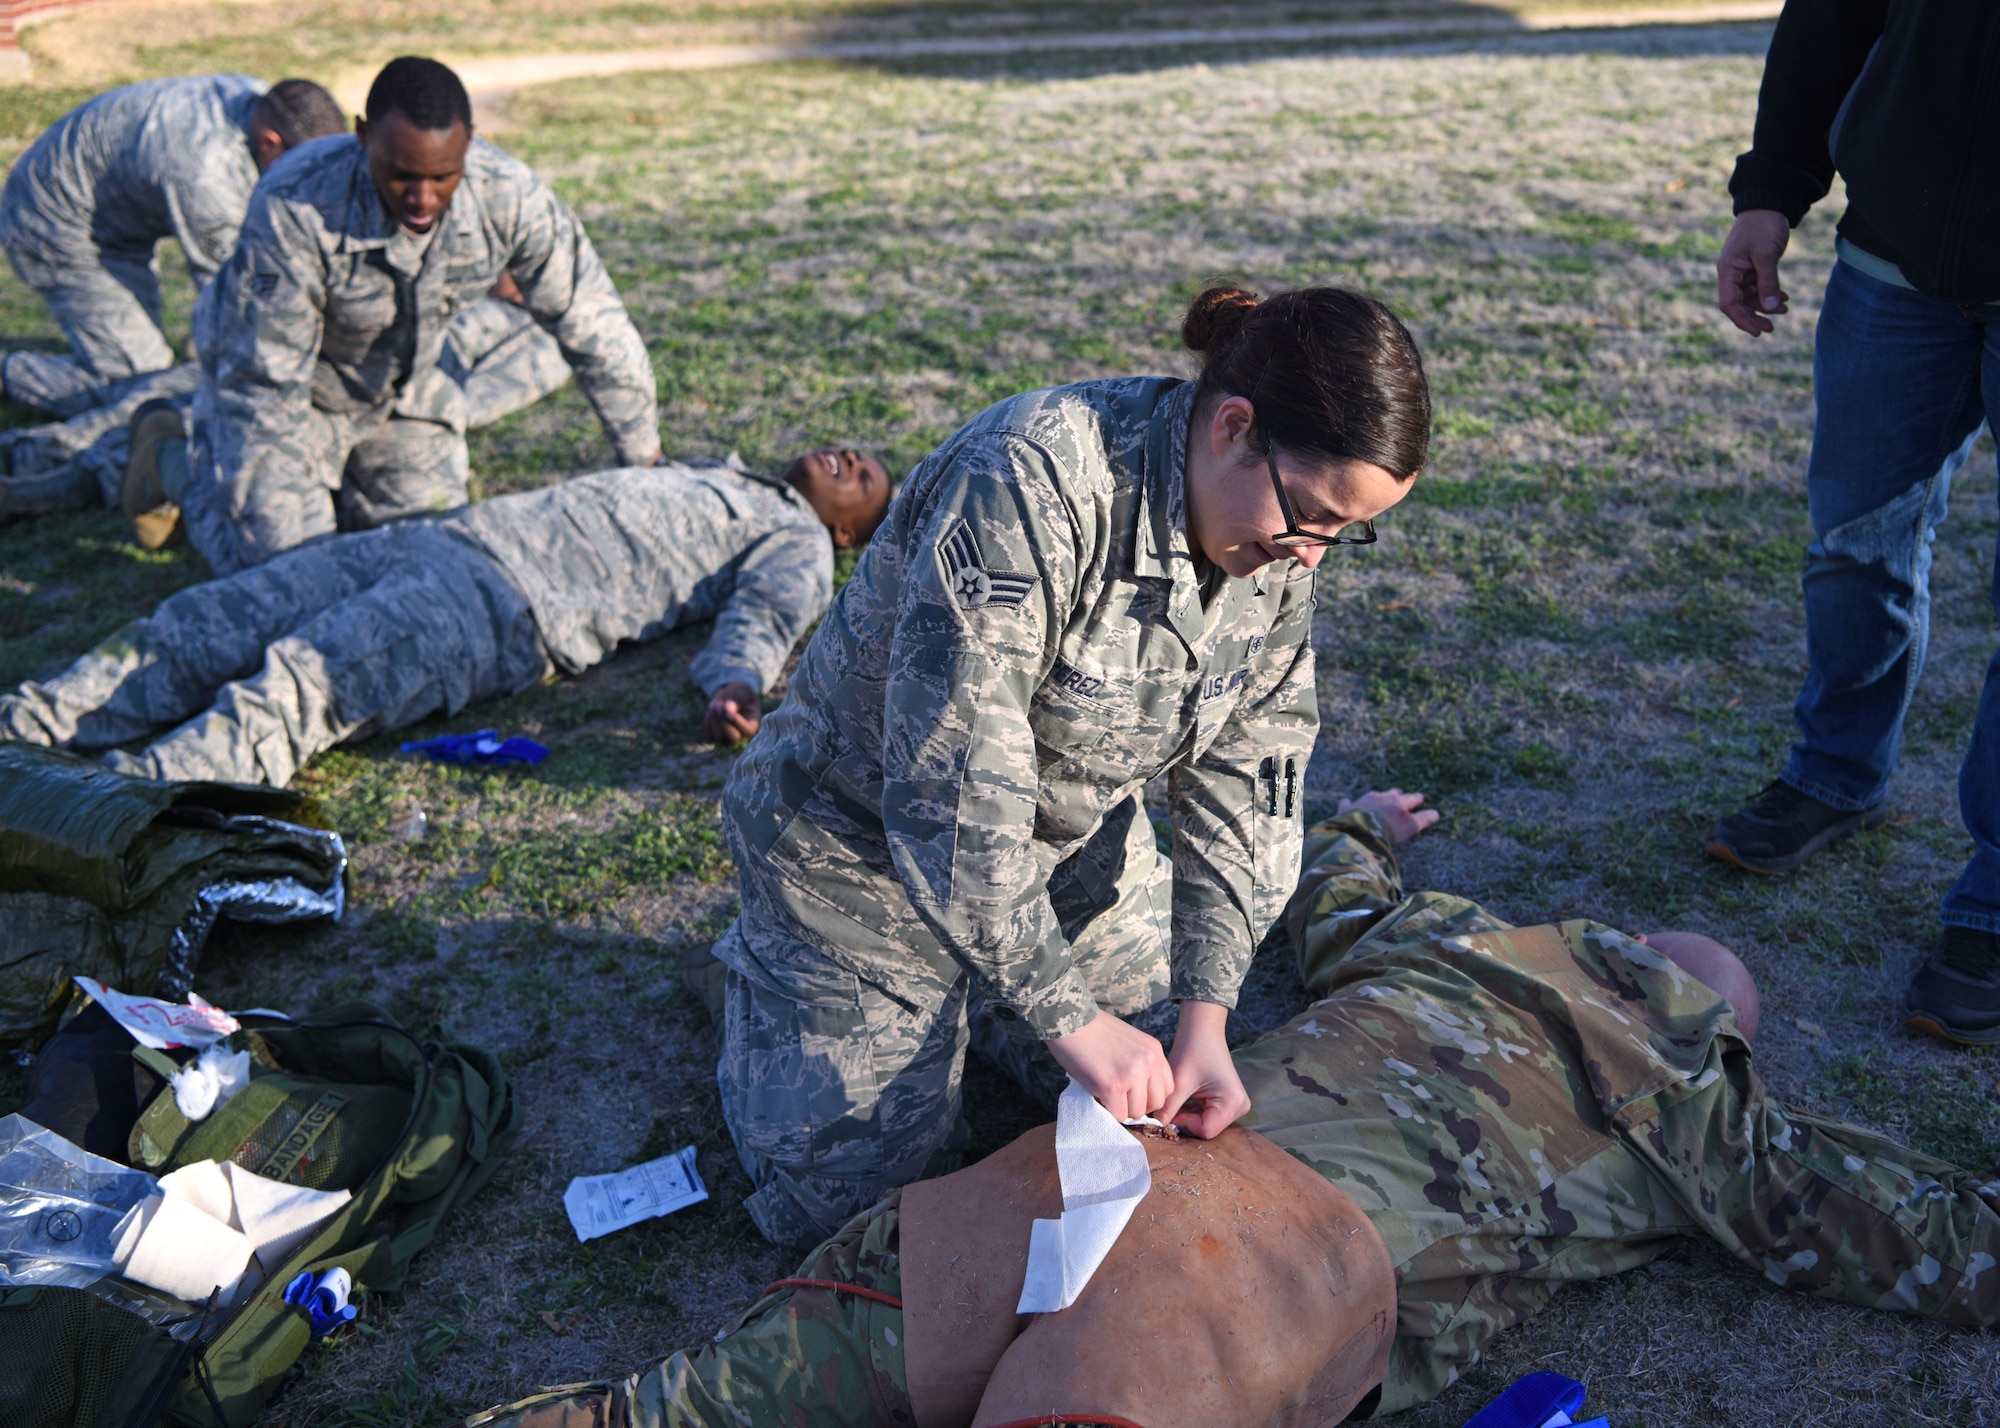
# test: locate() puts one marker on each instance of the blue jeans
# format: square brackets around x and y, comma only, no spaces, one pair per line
[1904,384]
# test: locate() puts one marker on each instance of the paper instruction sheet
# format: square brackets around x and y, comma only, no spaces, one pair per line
[599,1204]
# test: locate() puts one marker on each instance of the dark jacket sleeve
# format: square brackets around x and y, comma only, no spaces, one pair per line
[1817,52]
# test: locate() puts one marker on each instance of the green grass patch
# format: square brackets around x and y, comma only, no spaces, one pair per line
[1952,1114]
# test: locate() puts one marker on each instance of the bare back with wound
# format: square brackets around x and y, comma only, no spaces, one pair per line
[1245,1290]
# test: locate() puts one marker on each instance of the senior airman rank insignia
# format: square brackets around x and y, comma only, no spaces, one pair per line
[968,579]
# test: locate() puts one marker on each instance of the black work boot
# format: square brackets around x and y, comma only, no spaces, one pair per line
[1781,828]
[1956,994]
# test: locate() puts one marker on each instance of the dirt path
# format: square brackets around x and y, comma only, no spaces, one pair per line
[492,79]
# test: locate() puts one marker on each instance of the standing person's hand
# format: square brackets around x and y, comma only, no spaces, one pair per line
[1746,271]
[1208,1094]
[734,713]
[1120,1065]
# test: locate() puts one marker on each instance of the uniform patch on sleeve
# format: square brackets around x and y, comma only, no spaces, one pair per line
[1256,645]
[971,583]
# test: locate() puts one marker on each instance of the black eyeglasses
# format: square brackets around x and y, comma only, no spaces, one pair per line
[1291,537]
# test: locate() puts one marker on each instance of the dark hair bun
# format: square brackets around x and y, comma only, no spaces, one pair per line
[1332,374]
[1217,318]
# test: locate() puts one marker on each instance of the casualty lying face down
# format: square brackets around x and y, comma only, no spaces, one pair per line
[1468,1116]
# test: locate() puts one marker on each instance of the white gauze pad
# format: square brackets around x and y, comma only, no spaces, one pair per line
[1104,1177]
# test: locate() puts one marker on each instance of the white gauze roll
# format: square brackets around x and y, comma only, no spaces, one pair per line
[173,1246]
[204,1186]
[275,1217]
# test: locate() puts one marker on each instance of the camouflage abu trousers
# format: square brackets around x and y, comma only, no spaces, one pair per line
[503,360]
[1516,1108]
[108,306]
[498,354]
[354,471]
[74,464]
[345,470]
[837,1091]
[360,634]
[798,1358]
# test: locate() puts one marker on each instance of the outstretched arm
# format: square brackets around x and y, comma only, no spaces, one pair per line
[562,281]
[1236,857]
[1350,879]
[783,584]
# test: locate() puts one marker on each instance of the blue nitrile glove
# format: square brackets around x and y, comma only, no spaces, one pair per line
[480,748]
[1540,1400]
[323,1297]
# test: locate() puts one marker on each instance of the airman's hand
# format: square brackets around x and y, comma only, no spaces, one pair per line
[1208,1094]
[734,713]
[1117,1063]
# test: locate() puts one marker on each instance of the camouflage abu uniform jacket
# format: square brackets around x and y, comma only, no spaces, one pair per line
[629,555]
[168,158]
[1025,643]
[308,311]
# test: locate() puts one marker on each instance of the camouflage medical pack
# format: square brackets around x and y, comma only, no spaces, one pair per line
[349,1101]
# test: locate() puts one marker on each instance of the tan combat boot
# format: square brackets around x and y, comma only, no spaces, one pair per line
[156,521]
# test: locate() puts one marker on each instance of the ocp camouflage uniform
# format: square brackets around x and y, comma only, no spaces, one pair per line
[89,201]
[1023,647]
[368,632]
[1513,1108]
[799,1357]
[320,341]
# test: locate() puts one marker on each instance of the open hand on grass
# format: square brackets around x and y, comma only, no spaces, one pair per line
[1404,813]
[734,713]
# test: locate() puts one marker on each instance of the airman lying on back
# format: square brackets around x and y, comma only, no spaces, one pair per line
[367,632]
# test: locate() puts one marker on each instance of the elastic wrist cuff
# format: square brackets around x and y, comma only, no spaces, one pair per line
[733,676]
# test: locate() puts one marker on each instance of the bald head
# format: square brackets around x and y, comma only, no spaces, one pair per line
[1716,968]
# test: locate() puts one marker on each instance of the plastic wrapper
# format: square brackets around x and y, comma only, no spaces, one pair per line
[270,901]
[484,747]
[59,1205]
